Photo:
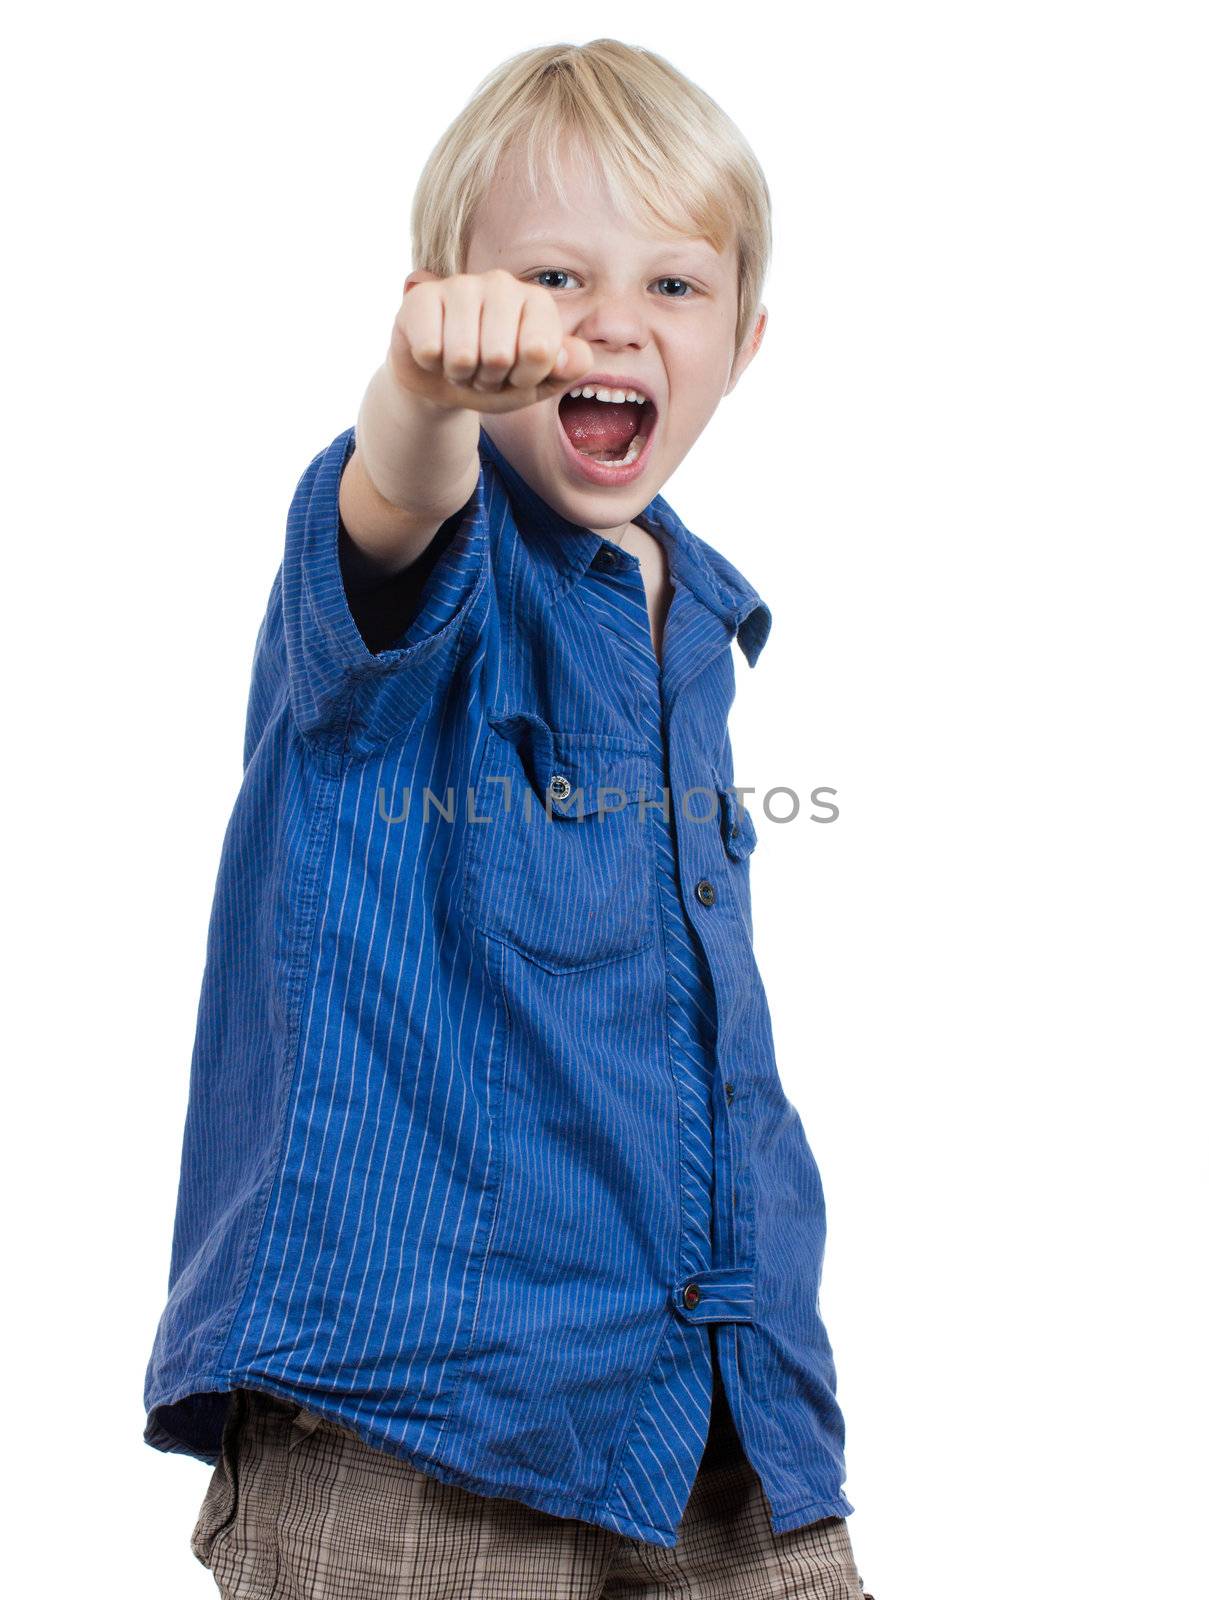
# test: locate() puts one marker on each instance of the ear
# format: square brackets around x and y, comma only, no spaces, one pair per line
[747,351]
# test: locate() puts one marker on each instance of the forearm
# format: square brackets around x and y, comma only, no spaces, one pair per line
[415,464]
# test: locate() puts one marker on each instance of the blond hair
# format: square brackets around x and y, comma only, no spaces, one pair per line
[669,155]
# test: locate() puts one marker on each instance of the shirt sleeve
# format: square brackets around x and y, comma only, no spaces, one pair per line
[365,655]
[385,607]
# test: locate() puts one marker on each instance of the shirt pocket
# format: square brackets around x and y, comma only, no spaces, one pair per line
[560,855]
[738,829]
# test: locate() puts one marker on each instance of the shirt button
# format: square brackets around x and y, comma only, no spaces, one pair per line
[607,557]
[705,892]
[560,786]
[692,1294]
[730,1090]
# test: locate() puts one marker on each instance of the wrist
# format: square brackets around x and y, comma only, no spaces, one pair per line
[416,455]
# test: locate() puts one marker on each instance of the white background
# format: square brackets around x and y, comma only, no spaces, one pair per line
[967,469]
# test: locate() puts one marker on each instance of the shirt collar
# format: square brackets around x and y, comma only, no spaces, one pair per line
[566,549]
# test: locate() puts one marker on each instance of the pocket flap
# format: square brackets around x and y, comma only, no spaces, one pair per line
[579,774]
[738,829]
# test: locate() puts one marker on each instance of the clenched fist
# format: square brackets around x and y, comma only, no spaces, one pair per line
[483,341]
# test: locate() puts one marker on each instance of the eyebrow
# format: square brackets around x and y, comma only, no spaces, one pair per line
[696,246]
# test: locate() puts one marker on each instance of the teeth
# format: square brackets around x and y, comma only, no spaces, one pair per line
[615,396]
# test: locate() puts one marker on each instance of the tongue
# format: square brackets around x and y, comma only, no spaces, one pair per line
[599,427]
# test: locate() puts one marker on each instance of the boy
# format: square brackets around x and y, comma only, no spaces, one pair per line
[498,1243]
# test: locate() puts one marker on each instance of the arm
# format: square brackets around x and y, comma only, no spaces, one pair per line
[368,510]
[388,547]
[415,464]
[352,687]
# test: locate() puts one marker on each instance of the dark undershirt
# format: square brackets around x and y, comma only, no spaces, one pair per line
[723,1447]
[383,608]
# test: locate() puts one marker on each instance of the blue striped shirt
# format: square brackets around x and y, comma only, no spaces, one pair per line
[486,1154]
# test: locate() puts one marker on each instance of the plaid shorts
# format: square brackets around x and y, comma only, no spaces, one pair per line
[299,1508]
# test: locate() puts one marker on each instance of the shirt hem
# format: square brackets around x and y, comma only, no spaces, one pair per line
[786,1521]
[559,1505]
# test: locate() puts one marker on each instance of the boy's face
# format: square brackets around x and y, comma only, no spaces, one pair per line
[612,287]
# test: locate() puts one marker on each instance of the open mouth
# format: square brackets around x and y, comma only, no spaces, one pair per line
[610,433]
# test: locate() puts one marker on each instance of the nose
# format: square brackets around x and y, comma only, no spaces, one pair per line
[616,317]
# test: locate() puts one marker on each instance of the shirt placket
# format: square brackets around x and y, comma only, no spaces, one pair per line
[710,1286]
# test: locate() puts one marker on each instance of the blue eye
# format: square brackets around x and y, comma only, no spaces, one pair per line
[552,272]
[686,290]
